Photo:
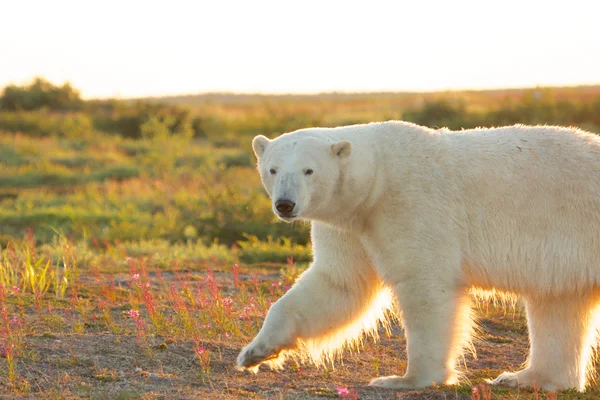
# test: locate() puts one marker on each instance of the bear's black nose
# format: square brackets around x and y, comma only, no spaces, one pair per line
[285,207]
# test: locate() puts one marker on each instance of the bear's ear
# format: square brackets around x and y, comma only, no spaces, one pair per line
[342,149]
[259,144]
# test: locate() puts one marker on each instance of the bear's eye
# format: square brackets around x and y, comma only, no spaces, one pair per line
[272,171]
[308,172]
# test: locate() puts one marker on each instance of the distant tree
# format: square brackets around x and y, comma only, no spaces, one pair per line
[40,94]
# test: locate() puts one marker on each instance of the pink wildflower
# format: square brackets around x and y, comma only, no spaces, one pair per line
[135,277]
[16,289]
[342,391]
[134,314]
[227,302]
[200,350]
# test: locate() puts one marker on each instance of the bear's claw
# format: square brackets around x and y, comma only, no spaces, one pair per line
[251,358]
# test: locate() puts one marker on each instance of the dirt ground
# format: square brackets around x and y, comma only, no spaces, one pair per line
[108,366]
[100,364]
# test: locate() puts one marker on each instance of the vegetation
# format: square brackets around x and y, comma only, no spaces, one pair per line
[40,94]
[138,250]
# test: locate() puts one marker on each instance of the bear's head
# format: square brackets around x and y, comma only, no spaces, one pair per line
[301,173]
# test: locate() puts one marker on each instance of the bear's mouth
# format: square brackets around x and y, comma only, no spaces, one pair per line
[286,217]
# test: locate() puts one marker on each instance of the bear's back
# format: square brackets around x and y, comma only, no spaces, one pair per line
[531,197]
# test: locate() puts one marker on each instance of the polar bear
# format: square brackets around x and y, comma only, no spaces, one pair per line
[428,216]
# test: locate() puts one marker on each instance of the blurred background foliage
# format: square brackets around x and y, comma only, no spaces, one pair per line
[181,169]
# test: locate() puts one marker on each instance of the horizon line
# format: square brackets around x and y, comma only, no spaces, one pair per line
[311,93]
[346,92]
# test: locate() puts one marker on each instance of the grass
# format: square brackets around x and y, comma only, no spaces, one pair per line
[104,237]
[120,194]
[137,269]
[131,323]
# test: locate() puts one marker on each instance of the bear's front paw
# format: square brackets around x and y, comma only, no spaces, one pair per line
[253,355]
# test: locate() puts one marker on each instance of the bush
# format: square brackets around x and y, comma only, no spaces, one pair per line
[156,128]
[439,114]
[40,94]
[124,125]
[42,123]
[198,128]
[161,128]
[75,126]
[536,107]
[143,119]
[253,250]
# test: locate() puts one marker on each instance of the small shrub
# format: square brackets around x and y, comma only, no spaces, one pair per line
[156,128]
[253,250]
[75,126]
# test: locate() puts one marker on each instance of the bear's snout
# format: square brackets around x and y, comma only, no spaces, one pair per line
[285,207]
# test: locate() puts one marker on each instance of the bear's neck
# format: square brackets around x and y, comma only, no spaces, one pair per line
[358,191]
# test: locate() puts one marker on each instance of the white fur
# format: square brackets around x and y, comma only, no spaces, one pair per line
[433,215]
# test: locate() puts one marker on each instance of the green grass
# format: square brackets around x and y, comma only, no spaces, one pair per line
[109,188]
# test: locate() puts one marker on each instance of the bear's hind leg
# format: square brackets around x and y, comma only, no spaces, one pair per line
[562,334]
[438,325]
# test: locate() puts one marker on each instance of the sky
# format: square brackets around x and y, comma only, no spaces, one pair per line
[133,48]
